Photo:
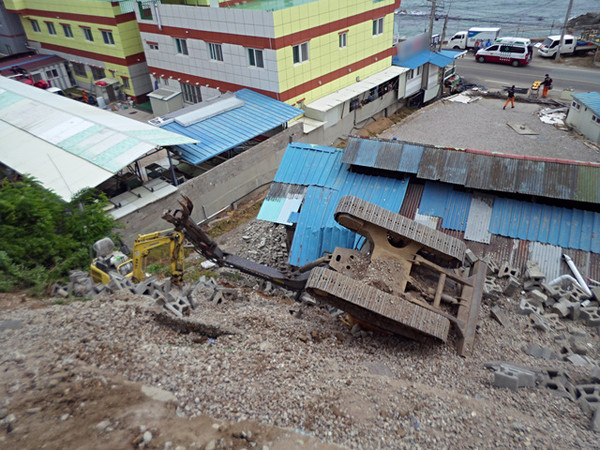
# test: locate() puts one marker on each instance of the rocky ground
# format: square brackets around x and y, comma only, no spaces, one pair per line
[268,372]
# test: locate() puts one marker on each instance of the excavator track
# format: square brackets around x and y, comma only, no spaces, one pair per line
[380,309]
[354,213]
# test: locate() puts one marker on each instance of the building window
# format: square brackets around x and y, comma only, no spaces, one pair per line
[181,45]
[378,26]
[343,40]
[35,25]
[152,45]
[98,73]
[67,30]
[107,37]
[52,73]
[125,82]
[255,57]
[300,52]
[51,28]
[145,11]
[79,70]
[354,103]
[215,51]
[191,93]
[87,34]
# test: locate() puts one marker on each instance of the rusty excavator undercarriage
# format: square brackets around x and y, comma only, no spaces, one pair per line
[388,284]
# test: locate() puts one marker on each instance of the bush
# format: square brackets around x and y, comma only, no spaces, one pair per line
[42,237]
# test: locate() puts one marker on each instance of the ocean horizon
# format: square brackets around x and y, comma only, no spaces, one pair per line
[516,18]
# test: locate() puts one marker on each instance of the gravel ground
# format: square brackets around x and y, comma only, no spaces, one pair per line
[482,125]
[272,363]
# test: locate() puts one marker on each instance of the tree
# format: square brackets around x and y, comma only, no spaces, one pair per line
[42,237]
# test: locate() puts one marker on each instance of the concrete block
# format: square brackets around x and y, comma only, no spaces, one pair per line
[533,271]
[492,266]
[540,352]
[539,322]
[588,397]
[470,257]
[62,292]
[506,270]
[78,276]
[590,316]
[549,290]
[595,422]
[530,285]
[562,308]
[537,298]
[554,322]
[179,307]
[596,292]
[577,294]
[595,377]
[578,360]
[513,378]
[527,308]
[558,381]
[491,290]
[145,287]
[500,317]
[114,284]
[512,287]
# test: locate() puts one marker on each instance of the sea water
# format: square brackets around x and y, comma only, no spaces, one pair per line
[525,18]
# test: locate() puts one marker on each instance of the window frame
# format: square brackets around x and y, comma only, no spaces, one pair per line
[215,51]
[35,25]
[181,46]
[378,26]
[253,60]
[87,34]
[52,73]
[125,82]
[343,40]
[79,67]
[51,28]
[152,45]
[107,37]
[191,93]
[300,53]
[96,72]
[65,27]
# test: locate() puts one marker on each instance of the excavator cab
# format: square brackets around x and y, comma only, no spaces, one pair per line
[108,260]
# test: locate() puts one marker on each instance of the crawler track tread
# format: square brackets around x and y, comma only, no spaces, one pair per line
[378,308]
[433,240]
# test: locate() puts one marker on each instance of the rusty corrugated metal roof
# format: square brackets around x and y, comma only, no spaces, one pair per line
[552,178]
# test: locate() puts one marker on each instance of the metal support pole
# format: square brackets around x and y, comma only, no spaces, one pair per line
[564,28]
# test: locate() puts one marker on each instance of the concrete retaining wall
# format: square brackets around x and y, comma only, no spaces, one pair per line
[218,188]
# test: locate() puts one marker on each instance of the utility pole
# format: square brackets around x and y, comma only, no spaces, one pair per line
[431,17]
[443,31]
[564,28]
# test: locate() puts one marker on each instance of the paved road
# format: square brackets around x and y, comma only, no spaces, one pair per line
[564,76]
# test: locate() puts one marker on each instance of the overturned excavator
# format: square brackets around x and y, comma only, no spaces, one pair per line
[407,279]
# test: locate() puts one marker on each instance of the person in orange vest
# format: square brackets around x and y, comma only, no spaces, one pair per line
[85,98]
[511,97]
[547,83]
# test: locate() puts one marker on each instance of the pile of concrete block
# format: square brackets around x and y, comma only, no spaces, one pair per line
[177,300]
[586,395]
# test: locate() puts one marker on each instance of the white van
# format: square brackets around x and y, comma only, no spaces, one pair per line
[507,50]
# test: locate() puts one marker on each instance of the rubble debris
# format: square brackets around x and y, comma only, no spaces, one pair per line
[500,317]
[533,271]
[506,270]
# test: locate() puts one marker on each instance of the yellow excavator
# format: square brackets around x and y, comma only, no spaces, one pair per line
[110,260]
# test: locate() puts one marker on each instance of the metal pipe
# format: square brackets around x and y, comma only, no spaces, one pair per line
[562,278]
[575,271]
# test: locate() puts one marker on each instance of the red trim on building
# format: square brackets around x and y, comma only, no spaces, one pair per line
[151,43]
[283,96]
[332,76]
[106,29]
[87,27]
[268,43]
[344,31]
[231,3]
[222,85]
[127,61]
[114,21]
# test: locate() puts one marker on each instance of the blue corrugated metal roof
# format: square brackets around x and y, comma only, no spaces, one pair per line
[568,228]
[320,168]
[229,129]
[309,164]
[589,99]
[419,59]
[452,206]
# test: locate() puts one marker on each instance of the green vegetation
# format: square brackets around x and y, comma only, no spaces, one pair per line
[43,237]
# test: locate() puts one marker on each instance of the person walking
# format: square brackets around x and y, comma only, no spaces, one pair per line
[476,46]
[547,83]
[511,97]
